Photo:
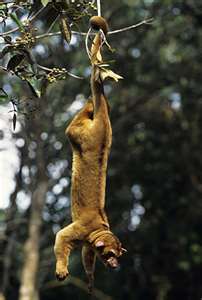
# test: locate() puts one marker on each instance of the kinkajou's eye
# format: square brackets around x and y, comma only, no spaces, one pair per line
[109,254]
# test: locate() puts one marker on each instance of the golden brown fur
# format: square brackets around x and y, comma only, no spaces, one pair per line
[90,136]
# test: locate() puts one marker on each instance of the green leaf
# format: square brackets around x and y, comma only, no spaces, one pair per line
[17,21]
[15,61]
[31,60]
[3,7]
[5,50]
[3,98]
[106,73]
[44,2]
[35,86]
[44,85]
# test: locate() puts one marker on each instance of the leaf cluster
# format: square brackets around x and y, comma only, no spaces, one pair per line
[21,61]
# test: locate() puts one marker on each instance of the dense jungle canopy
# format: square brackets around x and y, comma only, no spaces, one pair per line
[154,183]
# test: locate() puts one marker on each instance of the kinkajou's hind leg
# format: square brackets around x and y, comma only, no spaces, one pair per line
[64,243]
[88,260]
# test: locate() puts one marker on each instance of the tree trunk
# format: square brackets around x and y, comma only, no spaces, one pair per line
[10,235]
[28,288]
[2,297]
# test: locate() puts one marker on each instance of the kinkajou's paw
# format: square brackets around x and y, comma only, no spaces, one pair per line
[61,273]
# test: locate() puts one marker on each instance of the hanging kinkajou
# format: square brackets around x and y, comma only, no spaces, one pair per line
[90,135]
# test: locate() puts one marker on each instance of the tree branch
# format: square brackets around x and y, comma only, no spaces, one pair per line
[45,69]
[65,72]
[146,22]
[78,283]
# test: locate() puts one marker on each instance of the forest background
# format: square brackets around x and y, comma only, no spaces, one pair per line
[154,184]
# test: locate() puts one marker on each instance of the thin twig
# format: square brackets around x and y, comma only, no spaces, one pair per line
[105,40]
[65,72]
[52,25]
[86,43]
[3,69]
[147,22]
[45,69]
[36,14]
[73,75]
[99,8]
[9,31]
[41,36]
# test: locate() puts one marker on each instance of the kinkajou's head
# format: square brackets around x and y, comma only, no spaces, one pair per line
[109,249]
[98,23]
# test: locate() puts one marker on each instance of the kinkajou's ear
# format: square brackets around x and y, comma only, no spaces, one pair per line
[99,244]
[124,250]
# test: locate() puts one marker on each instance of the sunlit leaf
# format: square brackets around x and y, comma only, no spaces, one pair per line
[106,73]
[3,98]
[2,6]
[3,95]
[35,86]
[15,61]
[96,56]
[31,60]
[44,2]
[17,21]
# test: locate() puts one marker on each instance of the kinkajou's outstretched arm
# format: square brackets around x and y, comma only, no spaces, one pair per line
[64,243]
